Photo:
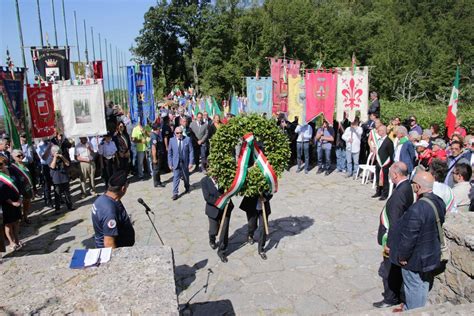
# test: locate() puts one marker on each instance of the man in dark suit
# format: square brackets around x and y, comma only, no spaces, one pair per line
[180,157]
[211,193]
[415,246]
[384,161]
[400,200]
[253,206]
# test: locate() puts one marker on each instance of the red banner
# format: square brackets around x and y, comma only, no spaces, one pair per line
[280,69]
[320,94]
[98,72]
[40,101]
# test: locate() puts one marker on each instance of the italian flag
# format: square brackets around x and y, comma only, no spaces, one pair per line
[453,106]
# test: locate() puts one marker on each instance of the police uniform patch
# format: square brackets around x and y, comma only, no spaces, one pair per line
[112,223]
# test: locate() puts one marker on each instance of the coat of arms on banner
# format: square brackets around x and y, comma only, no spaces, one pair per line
[353,93]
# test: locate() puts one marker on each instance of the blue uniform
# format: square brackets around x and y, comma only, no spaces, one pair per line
[110,218]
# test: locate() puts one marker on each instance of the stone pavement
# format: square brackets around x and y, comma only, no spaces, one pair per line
[322,252]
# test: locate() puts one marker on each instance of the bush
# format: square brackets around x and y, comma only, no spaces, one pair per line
[426,113]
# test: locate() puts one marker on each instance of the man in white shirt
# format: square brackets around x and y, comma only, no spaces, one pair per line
[305,132]
[352,136]
[108,151]
[462,175]
[85,155]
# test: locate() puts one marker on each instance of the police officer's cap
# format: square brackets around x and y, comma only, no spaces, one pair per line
[118,179]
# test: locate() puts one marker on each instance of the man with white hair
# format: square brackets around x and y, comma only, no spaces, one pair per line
[416,247]
[180,160]
[384,161]
[406,149]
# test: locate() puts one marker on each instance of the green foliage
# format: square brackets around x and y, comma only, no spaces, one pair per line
[413,45]
[222,157]
[426,113]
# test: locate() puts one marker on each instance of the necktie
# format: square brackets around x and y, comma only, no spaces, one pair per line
[179,148]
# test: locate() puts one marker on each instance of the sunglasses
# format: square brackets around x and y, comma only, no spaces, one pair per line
[178,133]
[2,164]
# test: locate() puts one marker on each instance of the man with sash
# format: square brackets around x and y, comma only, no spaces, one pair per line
[400,200]
[384,161]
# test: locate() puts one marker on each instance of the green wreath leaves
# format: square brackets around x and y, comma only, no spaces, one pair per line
[225,147]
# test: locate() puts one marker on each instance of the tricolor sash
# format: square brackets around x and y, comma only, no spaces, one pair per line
[384,221]
[25,173]
[9,182]
[248,147]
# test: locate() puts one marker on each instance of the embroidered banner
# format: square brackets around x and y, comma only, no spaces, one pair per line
[11,86]
[40,102]
[98,70]
[51,63]
[352,93]
[296,98]
[320,94]
[259,94]
[82,110]
[280,69]
[140,90]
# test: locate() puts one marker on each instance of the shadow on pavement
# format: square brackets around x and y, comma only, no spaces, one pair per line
[222,307]
[185,275]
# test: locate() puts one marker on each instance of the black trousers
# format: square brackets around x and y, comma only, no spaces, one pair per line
[47,183]
[156,172]
[252,218]
[214,224]
[124,164]
[109,169]
[392,282]
[62,189]
[382,190]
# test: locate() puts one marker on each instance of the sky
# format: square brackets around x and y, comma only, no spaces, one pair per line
[118,21]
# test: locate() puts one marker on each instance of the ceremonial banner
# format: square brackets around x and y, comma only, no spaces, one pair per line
[234,105]
[51,63]
[40,102]
[320,94]
[140,90]
[9,125]
[280,70]
[11,86]
[98,70]
[353,93]
[259,94]
[82,110]
[296,98]
[451,116]
[79,69]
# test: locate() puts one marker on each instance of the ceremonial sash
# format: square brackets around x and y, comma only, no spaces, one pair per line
[382,164]
[385,222]
[248,147]
[9,182]
[24,172]
[373,135]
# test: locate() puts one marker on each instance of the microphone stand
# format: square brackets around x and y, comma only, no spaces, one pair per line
[154,227]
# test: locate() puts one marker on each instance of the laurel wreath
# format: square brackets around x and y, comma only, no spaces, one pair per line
[225,148]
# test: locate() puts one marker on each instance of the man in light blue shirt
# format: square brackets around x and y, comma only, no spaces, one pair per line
[305,132]
[324,137]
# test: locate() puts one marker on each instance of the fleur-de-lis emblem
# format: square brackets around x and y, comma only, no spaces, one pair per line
[352,95]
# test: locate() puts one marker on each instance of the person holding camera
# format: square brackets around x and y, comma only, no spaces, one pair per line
[60,177]
[324,138]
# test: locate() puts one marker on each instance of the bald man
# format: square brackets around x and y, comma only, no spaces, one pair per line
[415,246]
[385,151]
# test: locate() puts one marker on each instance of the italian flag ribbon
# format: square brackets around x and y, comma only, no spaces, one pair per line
[384,221]
[249,147]
[24,173]
[9,182]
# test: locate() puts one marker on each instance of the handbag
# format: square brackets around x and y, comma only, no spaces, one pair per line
[445,253]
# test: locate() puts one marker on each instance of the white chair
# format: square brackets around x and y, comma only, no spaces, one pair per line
[368,169]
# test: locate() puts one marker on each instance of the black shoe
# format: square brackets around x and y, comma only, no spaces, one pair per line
[250,240]
[383,198]
[263,255]
[376,195]
[298,170]
[326,173]
[382,304]
[222,256]
[174,197]
[213,244]
[161,185]
[186,191]
[320,170]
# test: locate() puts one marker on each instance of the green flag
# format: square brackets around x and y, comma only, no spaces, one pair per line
[10,126]
[208,106]
[215,108]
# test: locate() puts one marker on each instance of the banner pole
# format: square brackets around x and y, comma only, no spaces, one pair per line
[65,25]
[77,38]
[112,73]
[54,23]
[264,216]
[108,72]
[85,40]
[119,81]
[40,25]
[222,221]
[100,48]
[20,32]
[93,45]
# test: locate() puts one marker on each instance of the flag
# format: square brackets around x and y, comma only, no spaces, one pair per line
[296,98]
[11,86]
[98,70]
[79,69]
[279,70]
[10,125]
[208,106]
[453,106]
[320,94]
[259,94]
[82,110]
[51,63]
[141,96]
[352,93]
[41,104]
[216,110]
[234,105]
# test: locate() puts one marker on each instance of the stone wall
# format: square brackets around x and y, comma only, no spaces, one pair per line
[456,284]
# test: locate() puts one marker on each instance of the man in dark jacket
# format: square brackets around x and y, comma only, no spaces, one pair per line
[400,200]
[211,193]
[385,153]
[254,206]
[415,246]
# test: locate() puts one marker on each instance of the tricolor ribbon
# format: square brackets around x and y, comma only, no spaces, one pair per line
[24,172]
[248,147]
[384,221]
[9,182]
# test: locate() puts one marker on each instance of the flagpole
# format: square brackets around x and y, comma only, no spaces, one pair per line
[54,23]
[85,39]
[124,76]
[20,31]
[93,45]
[100,48]
[77,38]
[117,69]
[107,61]
[112,72]
[65,25]
[40,25]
